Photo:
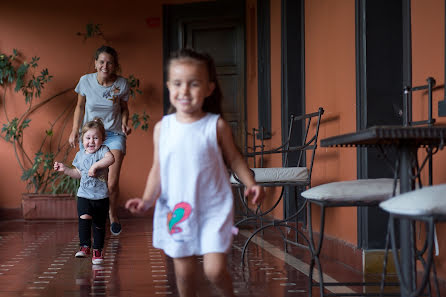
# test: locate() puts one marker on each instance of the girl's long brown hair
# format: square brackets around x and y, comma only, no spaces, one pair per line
[212,103]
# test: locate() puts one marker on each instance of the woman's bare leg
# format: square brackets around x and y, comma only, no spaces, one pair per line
[216,270]
[113,185]
[185,272]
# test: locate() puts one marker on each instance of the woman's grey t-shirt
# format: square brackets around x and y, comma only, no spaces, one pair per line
[94,188]
[103,102]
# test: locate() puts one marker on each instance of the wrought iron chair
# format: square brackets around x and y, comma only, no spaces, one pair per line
[365,192]
[297,176]
[352,193]
[426,205]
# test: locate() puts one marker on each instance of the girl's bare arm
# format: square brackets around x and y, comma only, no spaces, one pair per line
[153,184]
[105,162]
[73,172]
[236,162]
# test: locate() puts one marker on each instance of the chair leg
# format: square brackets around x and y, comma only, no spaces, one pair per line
[245,246]
[386,255]
[315,252]
[427,265]
[434,271]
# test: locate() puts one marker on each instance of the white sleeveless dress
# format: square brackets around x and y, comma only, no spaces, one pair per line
[194,214]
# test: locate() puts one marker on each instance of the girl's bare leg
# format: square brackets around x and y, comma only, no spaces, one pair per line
[215,269]
[185,272]
[113,184]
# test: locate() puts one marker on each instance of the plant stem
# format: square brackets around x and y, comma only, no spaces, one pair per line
[4,105]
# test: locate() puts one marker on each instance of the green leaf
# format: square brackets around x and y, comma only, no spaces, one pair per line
[11,131]
[133,85]
[25,124]
[136,121]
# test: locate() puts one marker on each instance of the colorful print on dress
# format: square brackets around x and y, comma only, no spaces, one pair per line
[179,214]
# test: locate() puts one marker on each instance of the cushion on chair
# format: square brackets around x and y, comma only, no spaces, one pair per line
[426,201]
[279,174]
[364,190]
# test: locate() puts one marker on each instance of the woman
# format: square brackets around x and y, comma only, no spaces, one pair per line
[104,94]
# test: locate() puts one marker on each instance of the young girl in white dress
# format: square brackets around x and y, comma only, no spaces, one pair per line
[193,146]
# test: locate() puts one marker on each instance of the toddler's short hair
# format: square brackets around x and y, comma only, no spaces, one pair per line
[97,124]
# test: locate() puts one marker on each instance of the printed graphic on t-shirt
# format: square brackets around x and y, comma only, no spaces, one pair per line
[98,183]
[112,93]
[92,183]
[180,213]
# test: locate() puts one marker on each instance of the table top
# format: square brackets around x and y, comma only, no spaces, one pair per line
[417,136]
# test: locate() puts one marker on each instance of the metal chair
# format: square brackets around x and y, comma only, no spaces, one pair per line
[426,205]
[297,176]
[354,193]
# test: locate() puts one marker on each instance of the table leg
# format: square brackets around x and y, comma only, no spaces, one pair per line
[407,244]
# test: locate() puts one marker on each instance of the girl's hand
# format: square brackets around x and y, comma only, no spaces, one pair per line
[126,129]
[138,205]
[73,138]
[92,171]
[59,167]
[256,192]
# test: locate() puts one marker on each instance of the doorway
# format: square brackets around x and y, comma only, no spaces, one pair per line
[217,28]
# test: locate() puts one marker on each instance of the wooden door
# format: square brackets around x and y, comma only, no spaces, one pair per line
[216,28]
[224,42]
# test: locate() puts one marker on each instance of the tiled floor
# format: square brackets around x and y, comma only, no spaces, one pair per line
[37,259]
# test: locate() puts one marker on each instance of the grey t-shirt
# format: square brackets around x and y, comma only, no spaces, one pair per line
[94,188]
[103,102]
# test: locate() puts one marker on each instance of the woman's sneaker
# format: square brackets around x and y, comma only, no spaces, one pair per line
[115,228]
[83,252]
[98,257]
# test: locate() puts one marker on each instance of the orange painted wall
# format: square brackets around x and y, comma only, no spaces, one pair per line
[331,84]
[428,60]
[252,88]
[48,29]
[276,94]
[251,61]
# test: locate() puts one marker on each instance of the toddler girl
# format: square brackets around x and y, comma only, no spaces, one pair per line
[91,167]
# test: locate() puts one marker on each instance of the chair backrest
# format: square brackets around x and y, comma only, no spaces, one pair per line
[308,142]
[295,145]
[407,118]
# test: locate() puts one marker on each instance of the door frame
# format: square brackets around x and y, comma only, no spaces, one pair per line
[293,82]
[370,35]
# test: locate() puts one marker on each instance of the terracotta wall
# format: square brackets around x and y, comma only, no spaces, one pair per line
[276,92]
[48,29]
[330,82]
[251,60]
[428,52]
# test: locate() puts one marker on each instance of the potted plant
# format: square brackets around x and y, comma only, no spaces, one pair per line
[49,195]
